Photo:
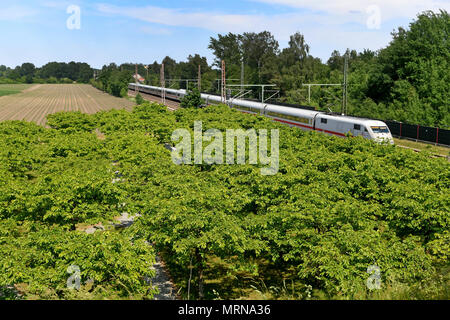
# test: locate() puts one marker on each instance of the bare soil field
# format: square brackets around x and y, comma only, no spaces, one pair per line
[38,101]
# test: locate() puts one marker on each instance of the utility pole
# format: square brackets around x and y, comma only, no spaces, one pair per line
[345,93]
[136,77]
[259,71]
[242,74]
[262,92]
[163,85]
[199,78]
[309,85]
[146,68]
[224,84]
[309,94]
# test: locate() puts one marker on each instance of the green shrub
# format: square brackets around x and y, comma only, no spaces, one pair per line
[139,99]
[192,99]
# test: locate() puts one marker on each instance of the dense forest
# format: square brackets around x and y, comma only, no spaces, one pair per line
[408,80]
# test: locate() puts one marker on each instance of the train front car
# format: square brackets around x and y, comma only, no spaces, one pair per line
[379,132]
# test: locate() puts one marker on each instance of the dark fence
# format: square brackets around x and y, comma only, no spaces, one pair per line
[417,132]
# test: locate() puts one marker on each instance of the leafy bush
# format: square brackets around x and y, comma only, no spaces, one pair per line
[74,120]
[36,260]
[192,99]
[139,99]
[336,207]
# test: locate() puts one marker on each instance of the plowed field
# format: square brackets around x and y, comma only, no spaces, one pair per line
[38,101]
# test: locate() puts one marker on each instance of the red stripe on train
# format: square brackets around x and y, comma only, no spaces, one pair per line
[294,123]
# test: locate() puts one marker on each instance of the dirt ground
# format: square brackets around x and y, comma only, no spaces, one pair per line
[38,101]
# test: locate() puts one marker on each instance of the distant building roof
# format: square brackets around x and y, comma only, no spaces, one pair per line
[139,78]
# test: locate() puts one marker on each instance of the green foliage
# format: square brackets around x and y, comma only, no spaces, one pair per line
[71,120]
[114,81]
[336,207]
[417,57]
[35,259]
[124,92]
[139,99]
[55,181]
[192,99]
[53,72]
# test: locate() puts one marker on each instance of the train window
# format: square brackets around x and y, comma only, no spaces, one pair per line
[357,127]
[380,129]
[244,108]
[284,116]
[324,120]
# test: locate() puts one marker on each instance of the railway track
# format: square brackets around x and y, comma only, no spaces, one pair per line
[170,104]
[418,150]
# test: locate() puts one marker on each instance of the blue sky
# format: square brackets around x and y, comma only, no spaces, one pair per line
[144,31]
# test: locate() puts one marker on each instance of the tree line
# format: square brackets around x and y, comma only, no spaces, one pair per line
[52,72]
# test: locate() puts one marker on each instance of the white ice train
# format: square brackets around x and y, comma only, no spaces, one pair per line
[332,124]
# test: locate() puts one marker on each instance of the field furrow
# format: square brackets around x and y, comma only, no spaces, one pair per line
[36,103]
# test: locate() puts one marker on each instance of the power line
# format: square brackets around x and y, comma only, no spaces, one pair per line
[199,83]
[224,83]
[344,96]
[163,85]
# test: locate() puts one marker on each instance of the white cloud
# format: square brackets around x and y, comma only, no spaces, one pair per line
[16,13]
[281,25]
[326,25]
[180,18]
[391,9]
[320,14]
